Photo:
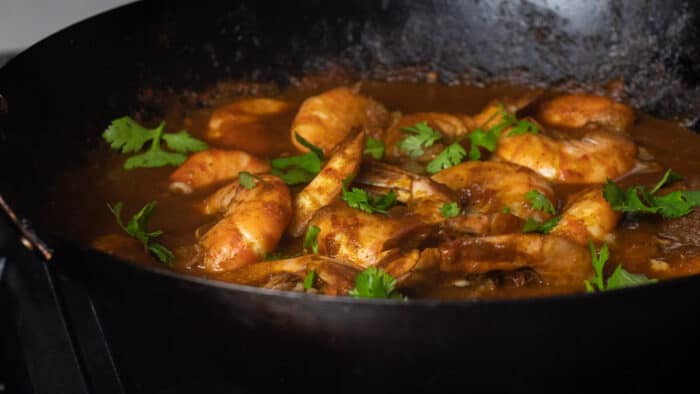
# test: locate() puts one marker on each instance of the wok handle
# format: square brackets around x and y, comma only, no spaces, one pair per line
[27,236]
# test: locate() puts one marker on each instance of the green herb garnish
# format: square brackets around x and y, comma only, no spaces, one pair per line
[309,280]
[127,135]
[620,277]
[137,229]
[539,201]
[301,168]
[360,199]
[375,283]
[533,226]
[449,210]
[310,241]
[638,199]
[374,148]
[423,136]
[246,179]
[450,156]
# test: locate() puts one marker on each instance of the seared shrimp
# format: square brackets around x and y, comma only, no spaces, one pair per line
[364,239]
[327,119]
[423,196]
[328,184]
[333,277]
[597,156]
[242,119]
[212,166]
[587,216]
[488,187]
[491,115]
[253,223]
[449,126]
[579,110]
[558,261]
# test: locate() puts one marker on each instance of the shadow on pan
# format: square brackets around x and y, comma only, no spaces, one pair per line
[58,92]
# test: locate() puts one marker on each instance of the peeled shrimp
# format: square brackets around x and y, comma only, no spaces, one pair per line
[579,110]
[212,166]
[242,119]
[333,277]
[558,261]
[488,187]
[327,119]
[253,223]
[327,185]
[597,156]
[587,216]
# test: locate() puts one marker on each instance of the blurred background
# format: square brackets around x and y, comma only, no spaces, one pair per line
[24,22]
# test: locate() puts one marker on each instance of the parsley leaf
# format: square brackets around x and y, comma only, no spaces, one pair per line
[449,210]
[620,277]
[360,199]
[479,138]
[533,226]
[450,156]
[127,135]
[539,201]
[423,137]
[638,199]
[374,283]
[137,229]
[301,168]
[246,179]
[310,241]
[374,148]
[309,280]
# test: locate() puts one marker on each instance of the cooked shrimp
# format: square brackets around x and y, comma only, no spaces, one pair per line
[253,223]
[212,166]
[449,126]
[488,187]
[558,261]
[333,277]
[327,119]
[587,216]
[423,196]
[579,110]
[327,185]
[597,156]
[480,224]
[364,239]
[242,119]
[491,114]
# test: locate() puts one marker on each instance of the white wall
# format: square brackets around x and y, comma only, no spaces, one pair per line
[24,22]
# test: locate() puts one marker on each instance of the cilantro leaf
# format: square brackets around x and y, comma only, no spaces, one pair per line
[506,210]
[374,148]
[137,229]
[449,210]
[533,226]
[374,283]
[310,239]
[360,199]
[271,256]
[522,127]
[183,142]
[127,135]
[246,179]
[423,137]
[301,168]
[450,156]
[620,277]
[309,280]
[485,139]
[539,201]
[670,176]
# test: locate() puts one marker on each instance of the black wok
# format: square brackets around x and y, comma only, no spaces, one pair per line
[60,93]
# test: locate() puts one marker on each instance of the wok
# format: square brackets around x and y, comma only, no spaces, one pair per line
[57,96]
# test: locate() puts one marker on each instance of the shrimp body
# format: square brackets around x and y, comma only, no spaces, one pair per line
[579,110]
[489,187]
[597,156]
[327,119]
[587,216]
[253,223]
[212,166]
[558,261]
[328,184]
[241,119]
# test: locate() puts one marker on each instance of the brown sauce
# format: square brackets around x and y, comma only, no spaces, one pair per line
[648,245]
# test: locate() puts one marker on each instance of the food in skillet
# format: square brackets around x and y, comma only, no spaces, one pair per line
[533,194]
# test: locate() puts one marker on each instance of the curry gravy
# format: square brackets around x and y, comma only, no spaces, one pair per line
[644,244]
